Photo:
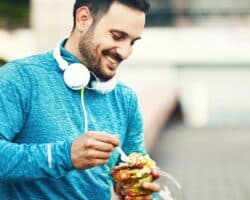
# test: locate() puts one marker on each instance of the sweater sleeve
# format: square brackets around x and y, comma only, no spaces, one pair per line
[33,161]
[25,161]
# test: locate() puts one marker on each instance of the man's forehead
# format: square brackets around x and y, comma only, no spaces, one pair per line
[125,19]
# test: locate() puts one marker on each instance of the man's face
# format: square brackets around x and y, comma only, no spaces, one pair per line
[107,43]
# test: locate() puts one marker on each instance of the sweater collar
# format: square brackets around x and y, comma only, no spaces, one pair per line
[67,56]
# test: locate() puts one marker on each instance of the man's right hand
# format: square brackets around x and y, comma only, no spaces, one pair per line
[92,149]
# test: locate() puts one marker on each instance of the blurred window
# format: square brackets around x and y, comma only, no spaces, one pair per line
[198,12]
[14,14]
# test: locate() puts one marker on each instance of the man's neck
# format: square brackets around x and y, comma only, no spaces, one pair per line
[71,45]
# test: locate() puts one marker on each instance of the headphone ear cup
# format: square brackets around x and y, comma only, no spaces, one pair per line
[76,76]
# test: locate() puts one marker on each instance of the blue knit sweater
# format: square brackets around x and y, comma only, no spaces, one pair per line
[40,117]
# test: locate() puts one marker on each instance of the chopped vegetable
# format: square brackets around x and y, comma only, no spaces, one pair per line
[130,176]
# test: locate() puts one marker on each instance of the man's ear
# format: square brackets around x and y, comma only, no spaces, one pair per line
[83,18]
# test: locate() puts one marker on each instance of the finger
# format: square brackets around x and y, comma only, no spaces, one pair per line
[91,142]
[153,187]
[142,197]
[128,198]
[94,154]
[95,162]
[105,137]
[100,146]
[155,173]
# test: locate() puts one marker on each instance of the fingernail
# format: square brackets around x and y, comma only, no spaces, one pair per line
[127,198]
[145,184]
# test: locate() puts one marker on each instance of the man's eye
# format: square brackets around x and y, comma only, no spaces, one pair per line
[117,37]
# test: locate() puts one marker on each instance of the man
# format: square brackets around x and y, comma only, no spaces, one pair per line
[58,131]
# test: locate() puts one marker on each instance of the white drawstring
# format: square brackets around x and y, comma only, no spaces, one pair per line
[84,111]
[49,155]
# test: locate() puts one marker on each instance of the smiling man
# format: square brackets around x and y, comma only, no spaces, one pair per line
[62,113]
[103,42]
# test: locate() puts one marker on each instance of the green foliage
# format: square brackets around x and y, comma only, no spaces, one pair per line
[14,13]
[2,62]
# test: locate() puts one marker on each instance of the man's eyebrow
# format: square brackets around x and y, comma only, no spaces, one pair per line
[124,33]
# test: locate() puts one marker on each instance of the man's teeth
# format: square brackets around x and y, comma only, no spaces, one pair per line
[113,61]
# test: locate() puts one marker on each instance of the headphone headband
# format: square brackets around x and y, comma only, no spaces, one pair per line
[63,64]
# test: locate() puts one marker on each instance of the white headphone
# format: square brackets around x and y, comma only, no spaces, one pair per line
[77,76]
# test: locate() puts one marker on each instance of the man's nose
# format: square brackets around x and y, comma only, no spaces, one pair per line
[124,51]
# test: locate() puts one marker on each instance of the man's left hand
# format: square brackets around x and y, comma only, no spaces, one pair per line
[150,186]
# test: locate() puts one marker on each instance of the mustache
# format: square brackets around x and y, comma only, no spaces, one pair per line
[113,55]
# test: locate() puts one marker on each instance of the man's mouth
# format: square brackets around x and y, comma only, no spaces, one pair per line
[111,59]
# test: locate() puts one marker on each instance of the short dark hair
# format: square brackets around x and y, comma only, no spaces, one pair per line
[99,7]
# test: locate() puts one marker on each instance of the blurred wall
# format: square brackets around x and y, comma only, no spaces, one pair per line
[16,44]
[51,22]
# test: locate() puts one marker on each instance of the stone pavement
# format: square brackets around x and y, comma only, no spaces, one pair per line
[209,163]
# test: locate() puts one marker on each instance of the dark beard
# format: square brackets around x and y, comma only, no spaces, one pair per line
[89,54]
[87,51]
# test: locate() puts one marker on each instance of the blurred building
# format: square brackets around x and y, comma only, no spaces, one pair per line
[199,12]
